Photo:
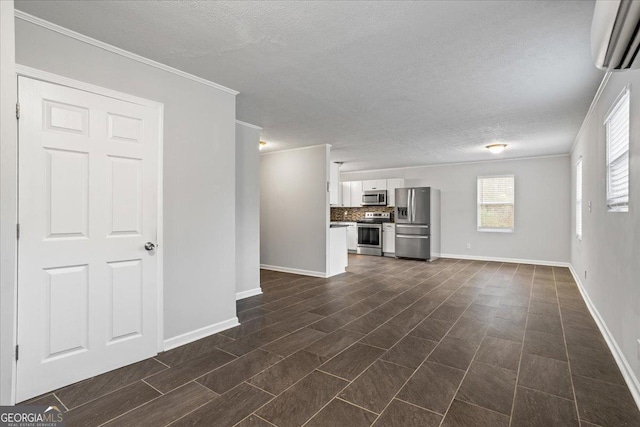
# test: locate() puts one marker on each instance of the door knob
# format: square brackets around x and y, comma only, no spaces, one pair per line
[149,246]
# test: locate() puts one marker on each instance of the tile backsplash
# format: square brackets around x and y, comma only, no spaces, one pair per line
[354,214]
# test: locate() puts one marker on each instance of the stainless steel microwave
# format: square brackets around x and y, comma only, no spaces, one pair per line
[374,198]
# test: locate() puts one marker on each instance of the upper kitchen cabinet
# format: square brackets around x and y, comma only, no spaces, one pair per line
[392,184]
[356,193]
[346,193]
[335,198]
[374,184]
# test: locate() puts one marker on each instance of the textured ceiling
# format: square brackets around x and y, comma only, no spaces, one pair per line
[388,84]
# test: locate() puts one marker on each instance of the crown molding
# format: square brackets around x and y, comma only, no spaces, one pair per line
[249,125]
[592,108]
[105,46]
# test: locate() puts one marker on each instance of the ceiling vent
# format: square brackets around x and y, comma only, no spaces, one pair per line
[615,35]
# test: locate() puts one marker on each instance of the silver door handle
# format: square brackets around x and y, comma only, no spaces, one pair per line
[149,246]
[411,226]
[407,236]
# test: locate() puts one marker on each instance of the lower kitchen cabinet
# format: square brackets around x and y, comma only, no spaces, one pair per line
[389,238]
[352,237]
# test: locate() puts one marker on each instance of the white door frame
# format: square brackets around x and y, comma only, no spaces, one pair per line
[23,71]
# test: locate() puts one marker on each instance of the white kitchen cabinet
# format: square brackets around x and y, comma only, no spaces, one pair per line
[374,184]
[356,194]
[334,184]
[352,236]
[392,184]
[346,194]
[389,238]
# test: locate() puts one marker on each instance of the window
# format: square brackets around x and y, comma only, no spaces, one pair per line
[617,134]
[495,203]
[579,199]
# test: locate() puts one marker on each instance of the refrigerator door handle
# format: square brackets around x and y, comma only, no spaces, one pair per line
[413,205]
[411,236]
[411,226]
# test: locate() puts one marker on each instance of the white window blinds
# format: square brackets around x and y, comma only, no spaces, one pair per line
[617,134]
[496,203]
[579,199]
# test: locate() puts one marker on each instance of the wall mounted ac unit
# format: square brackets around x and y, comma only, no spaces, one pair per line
[615,34]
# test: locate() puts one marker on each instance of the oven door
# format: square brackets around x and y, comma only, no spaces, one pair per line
[370,235]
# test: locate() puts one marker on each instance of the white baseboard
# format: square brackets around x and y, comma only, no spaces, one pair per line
[294,271]
[512,260]
[249,293]
[627,373]
[183,339]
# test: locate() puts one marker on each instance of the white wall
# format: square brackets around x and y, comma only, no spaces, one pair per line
[8,178]
[294,210]
[610,248]
[199,170]
[247,210]
[542,214]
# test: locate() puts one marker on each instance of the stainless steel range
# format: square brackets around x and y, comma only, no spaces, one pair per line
[370,233]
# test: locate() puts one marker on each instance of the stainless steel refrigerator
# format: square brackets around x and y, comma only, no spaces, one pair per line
[417,218]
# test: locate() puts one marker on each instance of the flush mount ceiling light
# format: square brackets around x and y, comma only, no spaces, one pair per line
[263,144]
[496,148]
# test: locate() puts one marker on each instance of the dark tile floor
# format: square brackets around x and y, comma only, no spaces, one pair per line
[390,343]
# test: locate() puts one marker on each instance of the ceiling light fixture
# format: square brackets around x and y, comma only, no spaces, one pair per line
[262,144]
[496,148]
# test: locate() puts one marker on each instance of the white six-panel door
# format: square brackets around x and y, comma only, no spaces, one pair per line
[87,296]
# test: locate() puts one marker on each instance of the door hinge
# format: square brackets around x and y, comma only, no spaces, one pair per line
[18,111]
[17,231]
[17,352]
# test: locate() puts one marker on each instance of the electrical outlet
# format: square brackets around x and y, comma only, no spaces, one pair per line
[468,245]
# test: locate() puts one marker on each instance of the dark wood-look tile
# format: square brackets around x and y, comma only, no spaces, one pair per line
[433,386]
[300,402]
[544,308]
[289,344]
[179,375]
[229,376]
[542,323]
[488,300]
[584,337]
[499,352]
[228,409]
[516,315]
[577,318]
[192,350]
[536,409]
[85,391]
[351,362]
[506,329]
[386,336]
[334,343]
[410,352]
[374,389]
[340,413]
[463,414]
[251,314]
[604,403]
[166,408]
[432,329]
[546,375]
[448,312]
[482,313]
[248,303]
[595,363]
[488,386]
[402,414]
[304,319]
[332,323]
[368,322]
[468,330]
[546,345]
[287,372]
[253,421]
[454,352]
[281,303]
[516,300]
[110,406]
[46,400]
[247,344]
[247,328]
